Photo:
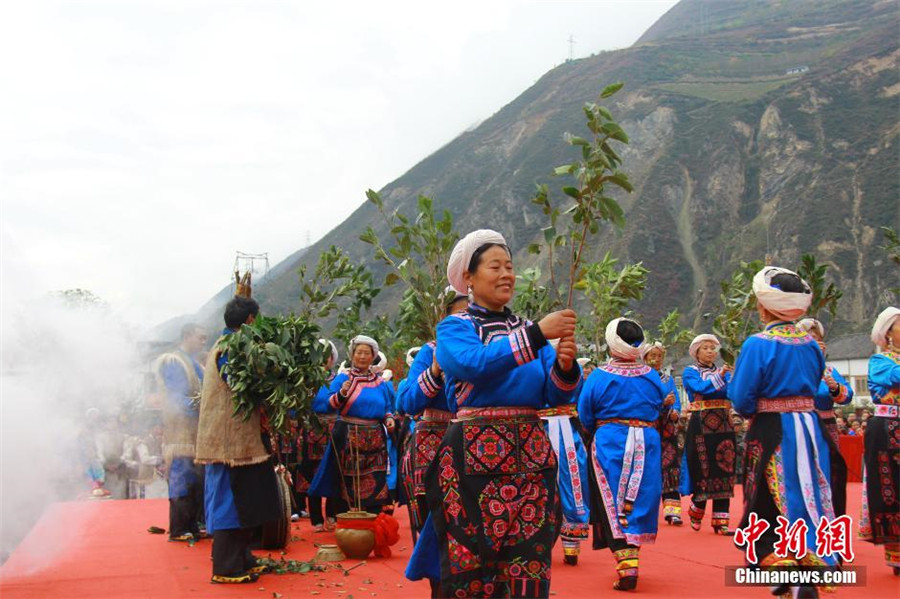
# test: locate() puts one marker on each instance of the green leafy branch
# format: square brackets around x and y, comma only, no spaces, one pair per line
[672,335]
[609,289]
[275,364]
[825,295]
[594,173]
[336,280]
[418,258]
[737,307]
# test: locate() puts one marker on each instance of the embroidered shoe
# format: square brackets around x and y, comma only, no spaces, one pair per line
[722,530]
[676,521]
[259,569]
[182,538]
[295,517]
[696,524]
[319,528]
[570,560]
[239,579]
[626,583]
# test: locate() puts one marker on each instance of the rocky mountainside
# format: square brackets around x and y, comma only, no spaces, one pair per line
[757,126]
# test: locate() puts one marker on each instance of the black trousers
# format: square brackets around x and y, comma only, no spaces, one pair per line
[333,507]
[231,554]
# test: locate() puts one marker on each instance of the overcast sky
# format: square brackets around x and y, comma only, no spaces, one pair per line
[143,143]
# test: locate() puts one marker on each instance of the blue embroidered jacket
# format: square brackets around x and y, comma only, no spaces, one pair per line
[884,378]
[782,361]
[498,359]
[421,389]
[824,398]
[369,396]
[668,384]
[705,381]
[621,389]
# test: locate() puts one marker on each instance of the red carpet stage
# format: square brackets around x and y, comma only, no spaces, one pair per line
[102,549]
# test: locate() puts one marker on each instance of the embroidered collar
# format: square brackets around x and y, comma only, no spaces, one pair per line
[356,373]
[625,367]
[895,356]
[784,332]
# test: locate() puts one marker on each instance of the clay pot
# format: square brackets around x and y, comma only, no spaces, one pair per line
[356,543]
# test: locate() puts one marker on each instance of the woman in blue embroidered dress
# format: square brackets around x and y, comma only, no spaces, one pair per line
[491,490]
[880,522]
[423,398]
[355,464]
[654,354]
[314,441]
[787,462]
[832,389]
[708,465]
[621,402]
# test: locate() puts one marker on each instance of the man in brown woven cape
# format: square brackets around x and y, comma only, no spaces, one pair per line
[241,489]
[181,376]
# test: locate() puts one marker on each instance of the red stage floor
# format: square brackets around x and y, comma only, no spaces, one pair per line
[101,549]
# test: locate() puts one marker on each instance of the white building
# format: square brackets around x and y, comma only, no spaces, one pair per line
[850,355]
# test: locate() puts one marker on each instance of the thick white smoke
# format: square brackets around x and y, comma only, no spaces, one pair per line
[58,359]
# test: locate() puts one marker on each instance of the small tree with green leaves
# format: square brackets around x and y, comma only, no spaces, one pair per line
[336,284]
[737,309]
[532,299]
[595,174]
[609,290]
[672,335]
[419,256]
[825,295]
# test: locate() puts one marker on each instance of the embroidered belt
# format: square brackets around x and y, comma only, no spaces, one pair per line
[435,415]
[361,421]
[887,411]
[564,410]
[825,414]
[891,399]
[626,421]
[498,413]
[709,404]
[327,417]
[794,403]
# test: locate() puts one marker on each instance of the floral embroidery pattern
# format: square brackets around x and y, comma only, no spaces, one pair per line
[725,455]
[513,509]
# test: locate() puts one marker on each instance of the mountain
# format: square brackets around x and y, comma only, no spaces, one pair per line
[756,126]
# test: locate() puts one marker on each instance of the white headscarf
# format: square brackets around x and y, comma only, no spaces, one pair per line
[645,349]
[783,304]
[334,352]
[698,340]
[883,324]
[379,363]
[462,255]
[452,295]
[363,340]
[583,361]
[808,324]
[411,354]
[617,346]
